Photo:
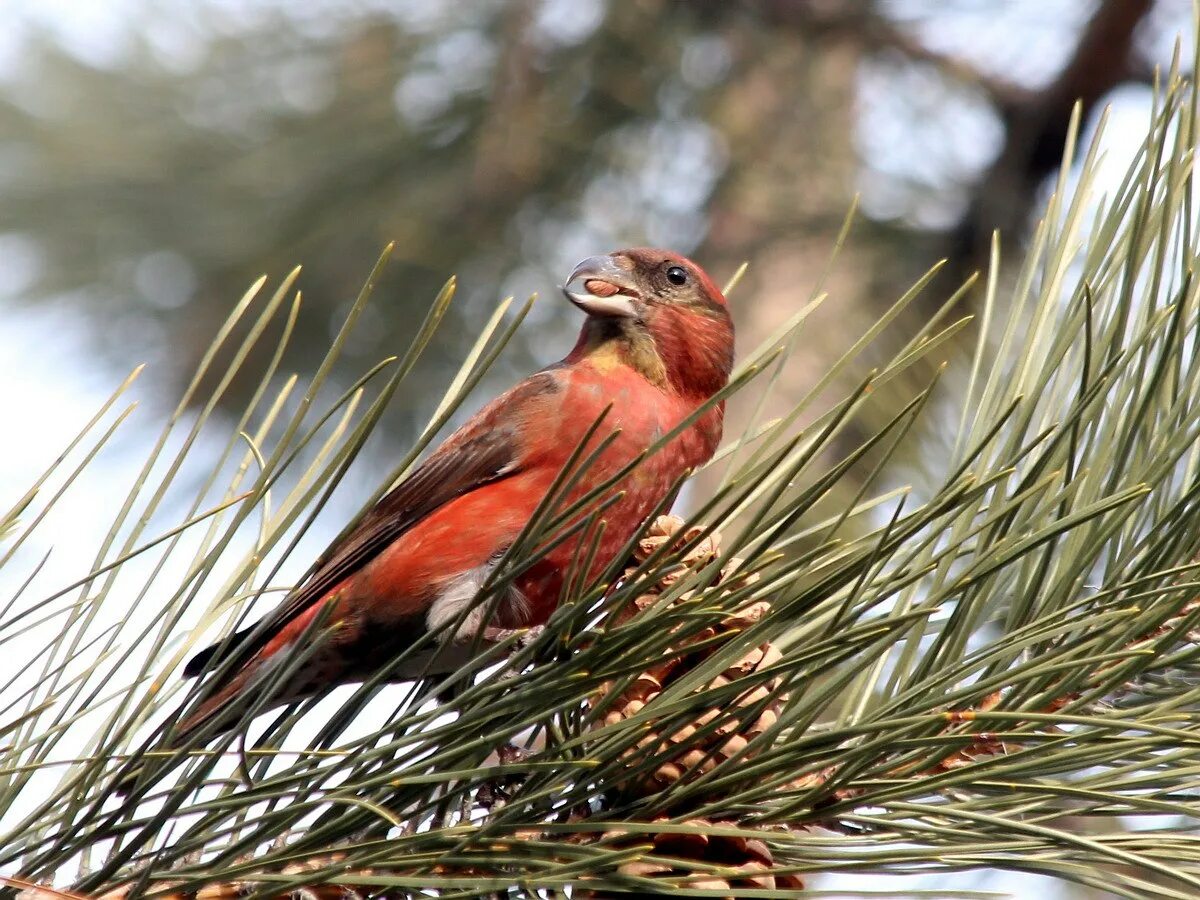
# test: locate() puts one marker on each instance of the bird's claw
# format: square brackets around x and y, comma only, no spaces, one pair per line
[499,790]
[510,754]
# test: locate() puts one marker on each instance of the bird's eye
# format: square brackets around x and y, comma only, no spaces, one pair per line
[676,275]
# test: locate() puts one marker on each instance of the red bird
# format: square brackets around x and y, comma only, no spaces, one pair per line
[656,345]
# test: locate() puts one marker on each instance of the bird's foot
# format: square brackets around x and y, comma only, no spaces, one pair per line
[523,637]
[510,754]
[500,790]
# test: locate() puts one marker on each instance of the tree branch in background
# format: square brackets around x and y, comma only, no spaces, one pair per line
[1036,126]
[1035,120]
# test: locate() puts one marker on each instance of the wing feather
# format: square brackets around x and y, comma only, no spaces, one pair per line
[486,449]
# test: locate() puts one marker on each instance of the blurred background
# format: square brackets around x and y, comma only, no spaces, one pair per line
[156,157]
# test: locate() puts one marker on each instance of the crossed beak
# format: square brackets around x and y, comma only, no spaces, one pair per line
[603,286]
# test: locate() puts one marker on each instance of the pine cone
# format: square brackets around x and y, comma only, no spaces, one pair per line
[699,746]
[233,890]
[698,861]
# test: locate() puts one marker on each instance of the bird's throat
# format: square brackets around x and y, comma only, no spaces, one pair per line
[610,343]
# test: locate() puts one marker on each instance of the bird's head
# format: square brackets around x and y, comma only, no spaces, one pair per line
[663,311]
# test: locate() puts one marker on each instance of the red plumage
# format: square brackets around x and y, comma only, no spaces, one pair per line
[657,344]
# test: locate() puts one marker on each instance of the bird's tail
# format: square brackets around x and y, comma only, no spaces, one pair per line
[215,715]
[233,643]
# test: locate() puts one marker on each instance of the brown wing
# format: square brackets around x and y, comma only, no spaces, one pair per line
[484,450]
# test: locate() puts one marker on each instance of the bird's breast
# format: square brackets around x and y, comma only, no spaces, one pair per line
[634,417]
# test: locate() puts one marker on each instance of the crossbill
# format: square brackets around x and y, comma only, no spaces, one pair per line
[655,347]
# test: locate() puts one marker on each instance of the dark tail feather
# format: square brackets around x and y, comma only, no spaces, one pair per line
[207,717]
[137,768]
[198,663]
[217,713]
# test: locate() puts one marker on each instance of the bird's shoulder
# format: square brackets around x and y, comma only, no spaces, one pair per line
[486,447]
[506,415]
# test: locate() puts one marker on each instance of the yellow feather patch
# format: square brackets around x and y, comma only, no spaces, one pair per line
[629,350]
[606,357]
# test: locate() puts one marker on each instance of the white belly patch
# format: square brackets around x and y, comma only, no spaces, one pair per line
[460,595]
